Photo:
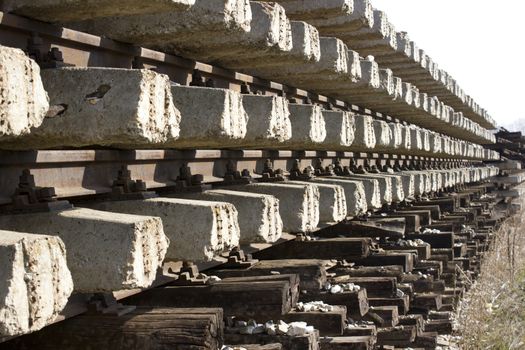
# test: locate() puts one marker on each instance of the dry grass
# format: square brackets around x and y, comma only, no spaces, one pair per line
[492,314]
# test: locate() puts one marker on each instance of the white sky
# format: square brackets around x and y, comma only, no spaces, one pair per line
[481,43]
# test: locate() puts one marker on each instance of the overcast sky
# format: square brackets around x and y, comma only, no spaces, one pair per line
[481,43]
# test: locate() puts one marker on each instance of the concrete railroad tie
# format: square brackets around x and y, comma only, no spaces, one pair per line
[126,108]
[308,126]
[332,202]
[298,204]
[259,217]
[23,100]
[197,230]
[105,251]
[356,195]
[78,10]
[35,282]
[209,117]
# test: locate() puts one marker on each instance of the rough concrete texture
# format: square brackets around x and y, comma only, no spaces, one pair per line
[305,38]
[126,108]
[369,74]
[197,230]
[397,135]
[23,100]
[354,65]
[35,282]
[406,142]
[436,143]
[332,17]
[425,137]
[410,95]
[340,130]
[259,217]
[105,251]
[332,202]
[383,134]
[211,117]
[364,133]
[372,189]
[268,120]
[78,10]
[386,82]
[436,180]
[379,39]
[208,23]
[429,185]
[385,186]
[407,47]
[299,204]
[407,93]
[398,88]
[424,102]
[308,126]
[270,36]
[416,139]
[409,184]
[419,182]
[398,192]
[306,48]
[355,193]
[320,75]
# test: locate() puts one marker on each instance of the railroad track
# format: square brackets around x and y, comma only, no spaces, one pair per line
[150,200]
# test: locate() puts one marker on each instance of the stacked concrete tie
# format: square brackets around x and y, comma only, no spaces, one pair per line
[397,140]
[332,202]
[105,106]
[266,49]
[298,203]
[236,34]
[399,183]
[512,179]
[337,66]
[375,190]
[129,108]
[384,182]
[232,32]
[308,127]
[259,217]
[23,100]
[332,16]
[210,117]
[340,130]
[259,36]
[380,136]
[370,32]
[139,108]
[268,120]
[384,136]
[77,10]
[220,26]
[35,282]
[305,48]
[105,251]
[365,137]
[409,184]
[356,196]
[388,94]
[216,231]
[213,117]
[381,37]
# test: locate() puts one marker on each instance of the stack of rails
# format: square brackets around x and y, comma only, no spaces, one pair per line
[123,164]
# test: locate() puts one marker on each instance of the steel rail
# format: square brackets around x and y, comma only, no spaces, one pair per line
[75,173]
